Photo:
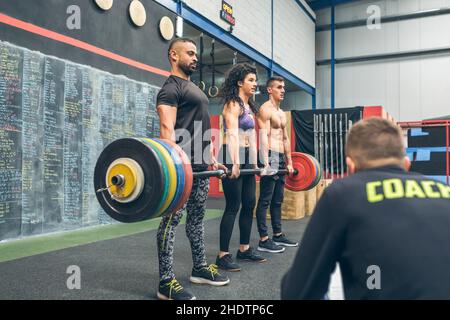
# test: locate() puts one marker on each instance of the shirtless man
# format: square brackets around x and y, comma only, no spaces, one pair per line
[275,153]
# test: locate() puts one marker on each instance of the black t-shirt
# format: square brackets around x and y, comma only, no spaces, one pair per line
[388,229]
[192,116]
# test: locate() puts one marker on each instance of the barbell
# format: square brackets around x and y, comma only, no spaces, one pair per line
[136,179]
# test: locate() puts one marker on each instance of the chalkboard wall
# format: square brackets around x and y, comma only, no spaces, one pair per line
[60,106]
[55,119]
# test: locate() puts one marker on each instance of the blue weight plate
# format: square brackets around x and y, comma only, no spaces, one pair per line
[180,174]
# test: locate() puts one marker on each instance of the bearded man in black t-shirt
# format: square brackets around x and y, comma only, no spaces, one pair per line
[183,112]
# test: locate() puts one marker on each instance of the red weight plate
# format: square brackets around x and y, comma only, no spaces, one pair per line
[306,172]
[318,172]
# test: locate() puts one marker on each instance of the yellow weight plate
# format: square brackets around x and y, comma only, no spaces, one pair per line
[133,177]
[172,178]
[129,175]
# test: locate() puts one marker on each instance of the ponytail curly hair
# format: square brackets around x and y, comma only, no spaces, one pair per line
[230,88]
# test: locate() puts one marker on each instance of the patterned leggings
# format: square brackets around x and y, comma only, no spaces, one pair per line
[195,208]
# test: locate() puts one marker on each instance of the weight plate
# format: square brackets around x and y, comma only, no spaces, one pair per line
[171,178]
[306,172]
[144,206]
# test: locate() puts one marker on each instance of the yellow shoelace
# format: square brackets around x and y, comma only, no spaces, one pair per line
[174,285]
[213,269]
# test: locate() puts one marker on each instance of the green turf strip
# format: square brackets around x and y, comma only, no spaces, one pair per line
[15,249]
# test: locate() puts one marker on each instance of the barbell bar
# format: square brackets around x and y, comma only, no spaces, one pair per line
[119,180]
[139,178]
[242,172]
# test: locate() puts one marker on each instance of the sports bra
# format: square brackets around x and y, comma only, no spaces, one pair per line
[246,121]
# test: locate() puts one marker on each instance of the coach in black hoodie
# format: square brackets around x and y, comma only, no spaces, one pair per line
[389,229]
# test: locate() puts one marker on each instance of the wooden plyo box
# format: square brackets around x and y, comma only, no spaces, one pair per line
[319,190]
[294,205]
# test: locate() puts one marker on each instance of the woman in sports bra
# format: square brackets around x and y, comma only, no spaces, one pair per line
[239,151]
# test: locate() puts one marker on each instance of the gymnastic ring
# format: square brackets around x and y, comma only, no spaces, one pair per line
[214,89]
[202,85]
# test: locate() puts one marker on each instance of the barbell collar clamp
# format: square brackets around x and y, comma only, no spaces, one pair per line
[118,180]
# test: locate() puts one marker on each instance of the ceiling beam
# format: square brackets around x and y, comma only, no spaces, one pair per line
[321,4]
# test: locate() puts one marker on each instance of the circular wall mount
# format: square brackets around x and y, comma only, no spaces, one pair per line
[104,4]
[166,28]
[137,13]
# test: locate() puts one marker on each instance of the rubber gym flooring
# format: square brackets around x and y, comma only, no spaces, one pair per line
[119,262]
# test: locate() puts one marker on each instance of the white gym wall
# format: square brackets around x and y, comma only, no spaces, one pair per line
[293,30]
[253,20]
[412,88]
[294,40]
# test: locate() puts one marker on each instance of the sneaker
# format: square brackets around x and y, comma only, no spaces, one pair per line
[281,240]
[269,246]
[172,290]
[209,275]
[250,255]
[226,263]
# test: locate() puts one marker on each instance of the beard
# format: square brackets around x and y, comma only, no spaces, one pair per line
[188,69]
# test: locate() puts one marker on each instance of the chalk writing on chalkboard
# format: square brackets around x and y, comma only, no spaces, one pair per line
[55,119]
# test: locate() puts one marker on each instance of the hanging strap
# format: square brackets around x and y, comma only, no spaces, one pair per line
[213,90]
[201,83]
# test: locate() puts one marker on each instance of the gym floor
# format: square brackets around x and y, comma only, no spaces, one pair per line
[119,262]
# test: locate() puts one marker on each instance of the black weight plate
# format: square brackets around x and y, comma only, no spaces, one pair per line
[144,206]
